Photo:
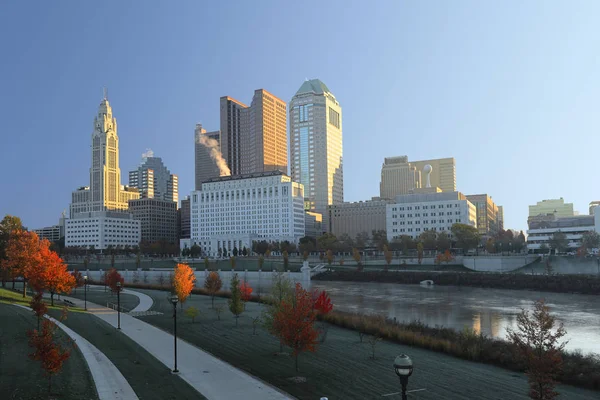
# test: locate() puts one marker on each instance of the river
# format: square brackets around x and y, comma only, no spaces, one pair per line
[489,311]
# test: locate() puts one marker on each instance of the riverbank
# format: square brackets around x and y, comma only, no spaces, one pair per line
[581,284]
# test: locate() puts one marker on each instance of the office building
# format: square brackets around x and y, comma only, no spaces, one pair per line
[542,227]
[316,157]
[231,133]
[52,233]
[158,219]
[352,218]
[184,219]
[413,214]
[592,205]
[398,176]
[313,224]
[557,207]
[105,191]
[487,214]
[442,173]
[154,180]
[233,211]
[101,229]
[206,166]
[500,218]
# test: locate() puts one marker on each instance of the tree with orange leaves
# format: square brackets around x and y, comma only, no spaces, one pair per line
[22,255]
[51,274]
[246,291]
[183,282]
[112,278]
[79,281]
[213,284]
[46,350]
[39,307]
[294,323]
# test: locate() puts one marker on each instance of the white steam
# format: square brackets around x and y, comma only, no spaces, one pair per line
[213,146]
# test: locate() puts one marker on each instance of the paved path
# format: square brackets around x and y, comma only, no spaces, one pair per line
[213,378]
[110,383]
[145,300]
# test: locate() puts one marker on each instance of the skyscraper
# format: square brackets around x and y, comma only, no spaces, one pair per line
[316,145]
[443,173]
[398,176]
[105,192]
[254,138]
[154,180]
[205,166]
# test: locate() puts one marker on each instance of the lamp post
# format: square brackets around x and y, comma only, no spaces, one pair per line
[118,305]
[85,291]
[174,300]
[404,368]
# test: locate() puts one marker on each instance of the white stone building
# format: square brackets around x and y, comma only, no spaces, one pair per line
[413,214]
[232,211]
[543,227]
[101,229]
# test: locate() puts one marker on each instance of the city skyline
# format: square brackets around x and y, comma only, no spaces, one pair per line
[499,109]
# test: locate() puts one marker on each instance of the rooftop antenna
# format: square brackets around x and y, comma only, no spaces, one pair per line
[105,90]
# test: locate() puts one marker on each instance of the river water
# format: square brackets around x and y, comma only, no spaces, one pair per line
[489,311]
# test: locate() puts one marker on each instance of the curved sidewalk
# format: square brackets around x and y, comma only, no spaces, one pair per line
[213,378]
[145,300]
[110,383]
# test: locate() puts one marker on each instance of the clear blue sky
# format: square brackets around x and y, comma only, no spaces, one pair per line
[510,89]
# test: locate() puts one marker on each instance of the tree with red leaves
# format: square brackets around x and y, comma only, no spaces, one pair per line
[537,340]
[112,278]
[294,323]
[246,291]
[322,303]
[213,284]
[79,281]
[47,350]
[39,307]
[183,282]
[51,274]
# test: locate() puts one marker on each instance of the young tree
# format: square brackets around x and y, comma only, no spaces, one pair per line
[246,292]
[388,257]
[305,255]
[22,255]
[79,281]
[261,261]
[112,259]
[286,260]
[232,260]
[47,350]
[490,246]
[183,282]
[39,307]
[213,284]
[206,263]
[537,338]
[295,323]
[51,275]
[218,310]
[420,252]
[281,290]
[356,255]
[329,257]
[559,242]
[138,260]
[112,278]
[192,312]
[236,305]
[373,340]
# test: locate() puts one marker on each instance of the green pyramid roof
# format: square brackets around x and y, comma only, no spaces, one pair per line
[313,86]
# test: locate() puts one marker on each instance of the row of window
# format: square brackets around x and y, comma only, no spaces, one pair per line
[430,207]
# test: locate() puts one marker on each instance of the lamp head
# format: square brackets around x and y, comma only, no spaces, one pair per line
[403,365]
[174,299]
[85,277]
[119,284]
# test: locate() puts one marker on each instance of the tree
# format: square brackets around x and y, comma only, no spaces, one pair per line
[559,242]
[51,274]
[192,312]
[244,251]
[286,260]
[235,251]
[213,284]
[281,290]
[79,281]
[356,255]
[39,307]
[591,240]
[420,252]
[307,244]
[195,251]
[112,278]
[466,236]
[379,238]
[537,339]
[206,263]
[490,246]
[362,240]
[295,323]
[8,225]
[429,239]
[246,292]
[443,242]
[183,282]
[236,305]
[218,311]
[322,302]
[112,260]
[138,260]
[261,261]
[305,255]
[388,257]
[329,257]
[373,340]
[47,350]
[22,255]
[346,243]
[327,241]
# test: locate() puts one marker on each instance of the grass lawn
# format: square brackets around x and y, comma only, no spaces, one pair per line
[21,377]
[341,368]
[99,296]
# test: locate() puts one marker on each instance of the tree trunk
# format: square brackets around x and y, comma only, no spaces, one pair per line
[24,288]
[236,321]
[13,285]
[52,299]
[213,302]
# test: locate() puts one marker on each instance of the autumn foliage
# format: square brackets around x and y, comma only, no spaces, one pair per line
[294,323]
[22,254]
[38,306]
[213,284]
[79,281]
[51,274]
[246,291]
[446,257]
[112,278]
[322,302]
[183,282]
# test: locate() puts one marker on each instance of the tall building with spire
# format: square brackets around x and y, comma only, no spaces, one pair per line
[316,145]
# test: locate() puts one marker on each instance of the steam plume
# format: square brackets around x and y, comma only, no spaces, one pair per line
[213,146]
[148,153]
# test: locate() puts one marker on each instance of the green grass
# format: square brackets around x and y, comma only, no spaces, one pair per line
[21,377]
[341,368]
[98,296]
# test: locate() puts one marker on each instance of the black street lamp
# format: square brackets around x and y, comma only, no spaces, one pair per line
[118,305]
[174,300]
[85,290]
[404,368]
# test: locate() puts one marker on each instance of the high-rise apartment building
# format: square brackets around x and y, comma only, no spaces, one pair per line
[105,191]
[442,175]
[316,145]
[254,138]
[398,176]
[154,180]
[205,165]
[487,214]
[558,207]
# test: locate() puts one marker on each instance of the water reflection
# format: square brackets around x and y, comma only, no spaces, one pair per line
[489,311]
